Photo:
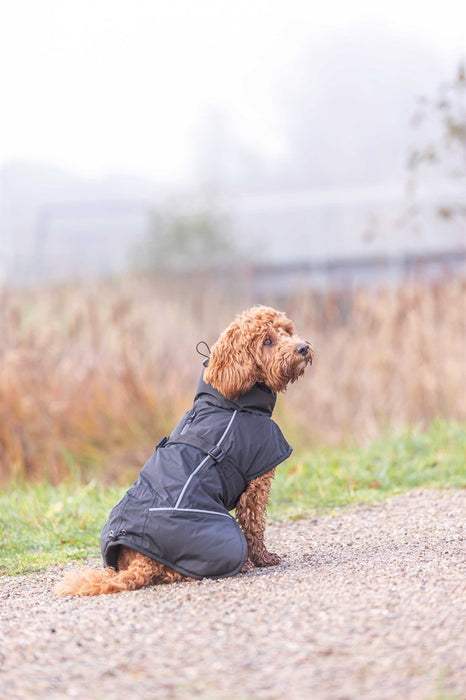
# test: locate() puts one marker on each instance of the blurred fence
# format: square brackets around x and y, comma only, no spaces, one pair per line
[281,241]
[290,278]
[265,283]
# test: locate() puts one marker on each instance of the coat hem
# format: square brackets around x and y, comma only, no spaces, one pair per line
[181,570]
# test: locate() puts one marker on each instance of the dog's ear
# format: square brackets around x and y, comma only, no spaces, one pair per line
[231,369]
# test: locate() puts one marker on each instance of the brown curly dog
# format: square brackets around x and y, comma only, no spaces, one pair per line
[259,354]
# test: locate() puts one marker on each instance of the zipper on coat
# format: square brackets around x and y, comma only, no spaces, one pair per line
[190,419]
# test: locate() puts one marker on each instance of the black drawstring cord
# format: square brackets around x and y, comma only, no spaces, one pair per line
[202,344]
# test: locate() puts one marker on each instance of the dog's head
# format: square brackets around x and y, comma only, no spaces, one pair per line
[260,345]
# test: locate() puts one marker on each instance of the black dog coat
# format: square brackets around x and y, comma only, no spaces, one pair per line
[177,512]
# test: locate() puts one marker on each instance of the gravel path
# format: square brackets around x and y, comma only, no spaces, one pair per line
[370,603]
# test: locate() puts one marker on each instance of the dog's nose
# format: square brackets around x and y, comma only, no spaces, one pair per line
[303,349]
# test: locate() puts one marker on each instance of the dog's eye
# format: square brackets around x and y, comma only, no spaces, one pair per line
[268,341]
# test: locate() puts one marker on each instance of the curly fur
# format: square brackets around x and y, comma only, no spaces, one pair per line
[260,345]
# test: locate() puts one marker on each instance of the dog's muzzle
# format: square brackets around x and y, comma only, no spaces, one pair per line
[304,350]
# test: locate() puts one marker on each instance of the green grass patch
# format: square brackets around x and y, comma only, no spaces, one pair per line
[330,478]
[41,525]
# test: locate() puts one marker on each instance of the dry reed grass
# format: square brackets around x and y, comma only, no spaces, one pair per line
[92,376]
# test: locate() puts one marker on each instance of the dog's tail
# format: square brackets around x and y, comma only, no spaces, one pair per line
[97,582]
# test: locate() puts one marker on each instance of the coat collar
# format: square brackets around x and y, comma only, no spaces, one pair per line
[260,399]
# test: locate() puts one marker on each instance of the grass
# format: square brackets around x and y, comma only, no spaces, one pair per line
[41,525]
[330,478]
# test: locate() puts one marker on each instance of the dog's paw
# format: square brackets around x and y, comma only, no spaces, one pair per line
[247,566]
[267,559]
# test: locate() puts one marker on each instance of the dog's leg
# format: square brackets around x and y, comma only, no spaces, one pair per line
[250,513]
